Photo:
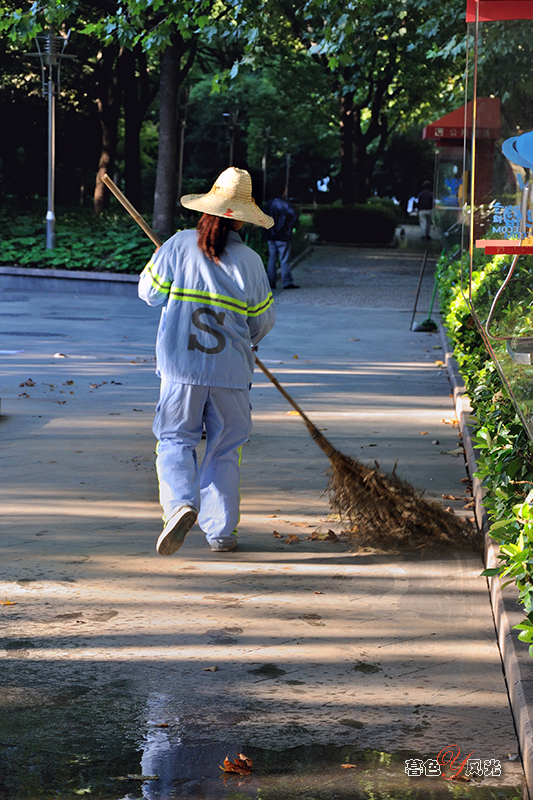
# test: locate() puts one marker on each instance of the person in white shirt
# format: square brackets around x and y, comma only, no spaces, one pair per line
[217,306]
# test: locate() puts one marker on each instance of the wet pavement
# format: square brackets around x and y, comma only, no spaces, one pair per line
[300,653]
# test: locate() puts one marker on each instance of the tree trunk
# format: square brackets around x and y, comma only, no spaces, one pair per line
[347,149]
[138,95]
[132,128]
[165,185]
[108,102]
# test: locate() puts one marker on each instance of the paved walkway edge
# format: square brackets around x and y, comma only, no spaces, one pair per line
[522,712]
[47,280]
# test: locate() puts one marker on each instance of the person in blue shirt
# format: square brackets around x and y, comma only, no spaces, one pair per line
[217,305]
[279,240]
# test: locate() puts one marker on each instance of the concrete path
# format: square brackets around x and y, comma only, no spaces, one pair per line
[302,655]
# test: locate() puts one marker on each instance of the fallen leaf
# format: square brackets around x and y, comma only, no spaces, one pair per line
[162,725]
[138,409]
[450,421]
[242,765]
[439,363]
[59,355]
[460,777]
[465,480]
[472,504]
[455,452]
[271,516]
[29,382]
[292,414]
[295,356]
[7,603]
[451,497]
[450,509]
[348,766]
[25,394]
[318,592]
[68,383]
[323,536]
[423,433]
[292,538]
[301,525]
[211,669]
[276,535]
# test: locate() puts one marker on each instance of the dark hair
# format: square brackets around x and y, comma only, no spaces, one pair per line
[213,235]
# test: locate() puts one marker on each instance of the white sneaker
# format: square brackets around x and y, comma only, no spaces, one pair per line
[175,530]
[222,549]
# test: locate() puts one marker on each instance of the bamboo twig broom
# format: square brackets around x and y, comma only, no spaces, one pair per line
[381,509]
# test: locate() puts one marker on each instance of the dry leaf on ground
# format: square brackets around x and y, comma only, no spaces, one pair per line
[292,414]
[451,497]
[7,603]
[276,535]
[348,766]
[292,538]
[211,669]
[324,536]
[423,433]
[242,765]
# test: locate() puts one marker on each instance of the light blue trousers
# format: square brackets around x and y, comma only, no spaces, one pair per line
[213,487]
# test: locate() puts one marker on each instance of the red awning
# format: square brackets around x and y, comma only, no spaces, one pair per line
[451,126]
[492,10]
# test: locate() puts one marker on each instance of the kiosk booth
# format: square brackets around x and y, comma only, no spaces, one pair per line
[497,196]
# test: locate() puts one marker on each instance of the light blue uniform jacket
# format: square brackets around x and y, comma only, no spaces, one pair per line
[214,313]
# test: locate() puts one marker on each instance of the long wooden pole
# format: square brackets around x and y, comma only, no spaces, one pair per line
[112,186]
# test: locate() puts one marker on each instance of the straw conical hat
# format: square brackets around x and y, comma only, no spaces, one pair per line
[231,197]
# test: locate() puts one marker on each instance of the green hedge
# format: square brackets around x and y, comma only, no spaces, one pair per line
[504,456]
[372,223]
[108,243]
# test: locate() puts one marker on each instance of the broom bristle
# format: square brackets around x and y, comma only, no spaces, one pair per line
[384,510]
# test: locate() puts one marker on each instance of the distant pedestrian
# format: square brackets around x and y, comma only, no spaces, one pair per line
[279,240]
[217,305]
[424,203]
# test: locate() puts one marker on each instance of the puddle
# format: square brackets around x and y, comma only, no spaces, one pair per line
[165,769]
[102,737]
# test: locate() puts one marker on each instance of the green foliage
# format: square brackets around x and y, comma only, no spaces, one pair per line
[109,243]
[505,460]
[373,223]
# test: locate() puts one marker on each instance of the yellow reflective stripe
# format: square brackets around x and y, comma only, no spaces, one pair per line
[254,311]
[196,296]
[157,281]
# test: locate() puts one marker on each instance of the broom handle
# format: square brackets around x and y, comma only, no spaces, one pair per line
[131,210]
[157,241]
[285,394]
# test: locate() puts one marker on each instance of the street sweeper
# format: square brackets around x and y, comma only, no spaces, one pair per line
[217,305]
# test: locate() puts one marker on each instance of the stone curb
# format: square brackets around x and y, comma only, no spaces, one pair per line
[522,713]
[64,280]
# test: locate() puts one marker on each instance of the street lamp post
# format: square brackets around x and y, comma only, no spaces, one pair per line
[50,53]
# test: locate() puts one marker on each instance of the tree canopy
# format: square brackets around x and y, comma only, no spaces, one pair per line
[329,83]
